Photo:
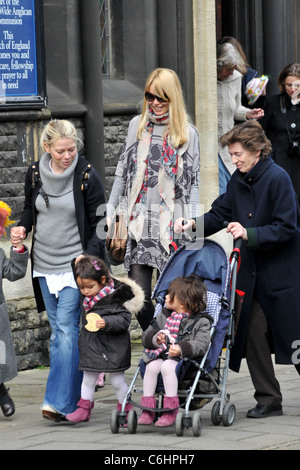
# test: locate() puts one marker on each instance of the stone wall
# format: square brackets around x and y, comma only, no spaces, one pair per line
[31,333]
[115,131]
[18,144]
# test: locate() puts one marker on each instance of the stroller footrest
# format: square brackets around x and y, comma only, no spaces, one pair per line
[155,410]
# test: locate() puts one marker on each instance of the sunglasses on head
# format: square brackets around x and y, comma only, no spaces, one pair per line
[149,97]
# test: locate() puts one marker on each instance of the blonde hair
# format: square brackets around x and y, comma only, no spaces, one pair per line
[165,82]
[59,129]
[228,56]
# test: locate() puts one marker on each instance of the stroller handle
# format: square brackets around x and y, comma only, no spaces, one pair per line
[238,242]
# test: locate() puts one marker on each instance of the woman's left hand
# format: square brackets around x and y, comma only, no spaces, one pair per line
[237,230]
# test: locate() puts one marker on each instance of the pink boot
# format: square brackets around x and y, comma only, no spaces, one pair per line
[83,412]
[169,417]
[147,417]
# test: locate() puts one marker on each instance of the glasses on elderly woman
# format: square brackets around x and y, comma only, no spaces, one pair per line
[150,98]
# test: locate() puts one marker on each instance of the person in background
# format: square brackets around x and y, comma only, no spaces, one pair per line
[159,172]
[230,69]
[282,123]
[62,194]
[12,268]
[248,74]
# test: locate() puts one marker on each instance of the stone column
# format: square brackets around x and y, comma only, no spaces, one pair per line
[206,97]
[206,106]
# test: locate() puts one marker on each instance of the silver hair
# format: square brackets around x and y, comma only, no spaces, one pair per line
[228,56]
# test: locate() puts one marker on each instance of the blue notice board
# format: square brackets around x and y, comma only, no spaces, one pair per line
[18,51]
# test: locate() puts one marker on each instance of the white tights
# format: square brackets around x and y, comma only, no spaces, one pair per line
[117,380]
[167,370]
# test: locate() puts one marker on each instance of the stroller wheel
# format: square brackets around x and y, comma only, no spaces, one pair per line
[215,413]
[132,422]
[179,424]
[196,425]
[114,421]
[229,414]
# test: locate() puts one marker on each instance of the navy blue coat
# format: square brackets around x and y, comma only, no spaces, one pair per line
[264,202]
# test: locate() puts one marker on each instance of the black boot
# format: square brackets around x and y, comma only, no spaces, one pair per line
[6,403]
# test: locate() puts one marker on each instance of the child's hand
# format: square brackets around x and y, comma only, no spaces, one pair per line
[100,323]
[161,338]
[17,235]
[174,350]
[78,258]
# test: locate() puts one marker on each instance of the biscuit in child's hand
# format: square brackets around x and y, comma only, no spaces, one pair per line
[91,319]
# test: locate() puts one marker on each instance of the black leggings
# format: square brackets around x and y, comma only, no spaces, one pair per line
[142,275]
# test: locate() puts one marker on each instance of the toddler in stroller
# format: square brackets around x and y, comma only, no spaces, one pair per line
[182,329]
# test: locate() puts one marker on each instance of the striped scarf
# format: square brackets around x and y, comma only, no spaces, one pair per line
[172,325]
[89,302]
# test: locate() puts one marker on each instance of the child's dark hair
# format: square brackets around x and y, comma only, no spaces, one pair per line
[191,291]
[91,267]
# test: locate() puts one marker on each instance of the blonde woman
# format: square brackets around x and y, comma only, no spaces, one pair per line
[61,207]
[159,171]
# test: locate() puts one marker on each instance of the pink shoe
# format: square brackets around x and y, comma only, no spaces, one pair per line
[147,417]
[169,417]
[100,381]
[83,412]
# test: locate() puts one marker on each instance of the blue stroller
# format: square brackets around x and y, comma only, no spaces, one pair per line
[199,381]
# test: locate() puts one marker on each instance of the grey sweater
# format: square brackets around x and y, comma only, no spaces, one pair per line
[57,239]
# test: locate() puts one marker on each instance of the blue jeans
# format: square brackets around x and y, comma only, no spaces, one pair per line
[64,380]
[224,176]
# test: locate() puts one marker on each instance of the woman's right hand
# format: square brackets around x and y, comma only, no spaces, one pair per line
[181,225]
[17,234]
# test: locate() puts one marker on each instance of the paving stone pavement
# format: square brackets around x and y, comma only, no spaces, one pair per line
[27,430]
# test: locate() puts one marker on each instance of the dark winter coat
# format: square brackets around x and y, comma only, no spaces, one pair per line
[264,202]
[88,197]
[275,123]
[109,350]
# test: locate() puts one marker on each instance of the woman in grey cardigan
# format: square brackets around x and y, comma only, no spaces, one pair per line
[159,170]
[230,70]
[12,268]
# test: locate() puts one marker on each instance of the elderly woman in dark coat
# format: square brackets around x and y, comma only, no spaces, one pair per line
[262,208]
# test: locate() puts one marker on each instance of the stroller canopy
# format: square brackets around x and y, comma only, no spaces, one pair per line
[203,257]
